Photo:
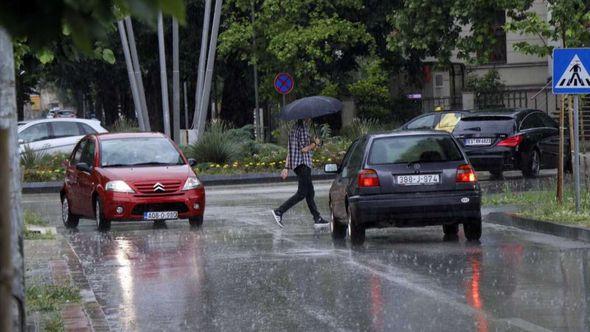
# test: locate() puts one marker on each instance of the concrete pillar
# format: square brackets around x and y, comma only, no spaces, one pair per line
[468,100]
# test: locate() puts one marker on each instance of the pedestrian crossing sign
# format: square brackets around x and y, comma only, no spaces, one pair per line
[570,71]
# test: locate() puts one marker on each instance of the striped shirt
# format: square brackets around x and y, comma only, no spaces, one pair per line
[298,139]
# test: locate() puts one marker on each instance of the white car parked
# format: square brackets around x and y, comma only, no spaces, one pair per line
[58,135]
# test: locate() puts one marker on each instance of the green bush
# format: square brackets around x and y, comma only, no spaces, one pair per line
[125,125]
[360,127]
[30,158]
[215,146]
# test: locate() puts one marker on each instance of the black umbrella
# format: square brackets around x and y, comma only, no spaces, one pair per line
[311,107]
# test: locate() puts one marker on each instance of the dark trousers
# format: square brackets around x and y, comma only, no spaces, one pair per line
[304,190]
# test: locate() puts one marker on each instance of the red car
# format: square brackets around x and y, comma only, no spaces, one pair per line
[131,176]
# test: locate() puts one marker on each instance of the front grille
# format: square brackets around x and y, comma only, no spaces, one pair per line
[149,187]
[139,209]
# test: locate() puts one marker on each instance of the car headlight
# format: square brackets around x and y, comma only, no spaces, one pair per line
[191,183]
[119,186]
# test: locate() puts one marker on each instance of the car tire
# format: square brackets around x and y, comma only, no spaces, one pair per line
[337,228]
[472,230]
[69,219]
[451,229]
[356,232]
[102,224]
[497,173]
[196,221]
[532,164]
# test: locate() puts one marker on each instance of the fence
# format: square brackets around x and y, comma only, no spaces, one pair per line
[447,103]
[541,99]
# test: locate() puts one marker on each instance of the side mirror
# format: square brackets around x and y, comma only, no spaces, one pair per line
[83,167]
[330,168]
[192,162]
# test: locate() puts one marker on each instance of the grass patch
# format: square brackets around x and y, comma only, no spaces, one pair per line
[30,235]
[542,205]
[50,298]
[53,323]
[32,218]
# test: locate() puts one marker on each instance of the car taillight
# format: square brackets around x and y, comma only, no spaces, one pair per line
[368,178]
[512,141]
[465,173]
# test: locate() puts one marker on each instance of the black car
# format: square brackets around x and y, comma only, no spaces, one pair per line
[520,139]
[404,179]
[443,120]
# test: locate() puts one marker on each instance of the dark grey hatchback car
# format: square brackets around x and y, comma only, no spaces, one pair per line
[404,179]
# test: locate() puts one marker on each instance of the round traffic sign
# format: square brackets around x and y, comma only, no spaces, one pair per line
[284,83]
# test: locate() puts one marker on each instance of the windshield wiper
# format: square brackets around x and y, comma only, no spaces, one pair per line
[155,163]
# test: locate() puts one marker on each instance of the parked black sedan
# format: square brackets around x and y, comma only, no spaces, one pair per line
[404,179]
[517,139]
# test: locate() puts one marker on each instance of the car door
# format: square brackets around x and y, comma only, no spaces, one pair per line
[65,135]
[338,189]
[536,135]
[71,179]
[86,179]
[36,137]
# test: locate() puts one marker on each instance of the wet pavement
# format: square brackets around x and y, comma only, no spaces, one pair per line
[241,272]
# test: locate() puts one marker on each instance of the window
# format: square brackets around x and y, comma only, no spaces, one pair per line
[409,149]
[532,121]
[425,122]
[547,121]
[65,129]
[77,154]
[356,158]
[346,159]
[448,121]
[88,153]
[86,129]
[35,133]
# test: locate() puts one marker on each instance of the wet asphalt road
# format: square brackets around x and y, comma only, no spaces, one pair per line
[241,272]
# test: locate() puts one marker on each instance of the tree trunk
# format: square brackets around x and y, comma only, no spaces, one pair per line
[11,235]
[175,83]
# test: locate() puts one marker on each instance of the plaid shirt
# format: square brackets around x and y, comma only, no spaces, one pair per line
[298,139]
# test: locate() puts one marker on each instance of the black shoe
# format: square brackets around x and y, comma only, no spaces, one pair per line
[278,218]
[319,221]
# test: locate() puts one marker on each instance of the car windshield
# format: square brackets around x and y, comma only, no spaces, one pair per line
[412,149]
[139,151]
[486,124]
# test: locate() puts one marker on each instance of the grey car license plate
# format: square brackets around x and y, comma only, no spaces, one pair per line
[478,141]
[164,215]
[416,180]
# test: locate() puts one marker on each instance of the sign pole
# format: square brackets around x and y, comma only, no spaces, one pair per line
[577,152]
[284,100]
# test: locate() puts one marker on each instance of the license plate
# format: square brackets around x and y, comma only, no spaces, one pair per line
[420,179]
[478,141]
[165,215]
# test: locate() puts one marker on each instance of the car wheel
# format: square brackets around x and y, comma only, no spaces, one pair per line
[472,230]
[70,220]
[532,164]
[452,229]
[356,232]
[337,228]
[497,173]
[196,221]
[101,222]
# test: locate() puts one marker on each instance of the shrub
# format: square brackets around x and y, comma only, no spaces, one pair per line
[360,127]
[215,146]
[125,125]
[30,158]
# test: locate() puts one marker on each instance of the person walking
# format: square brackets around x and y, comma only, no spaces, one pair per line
[300,149]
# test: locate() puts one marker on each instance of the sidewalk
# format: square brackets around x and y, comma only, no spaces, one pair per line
[53,274]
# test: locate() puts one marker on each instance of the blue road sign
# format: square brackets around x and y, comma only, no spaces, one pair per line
[570,75]
[284,83]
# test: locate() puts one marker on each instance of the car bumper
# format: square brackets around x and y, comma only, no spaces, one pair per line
[494,160]
[414,210]
[188,204]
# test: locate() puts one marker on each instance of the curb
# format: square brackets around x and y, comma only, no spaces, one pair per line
[208,180]
[509,219]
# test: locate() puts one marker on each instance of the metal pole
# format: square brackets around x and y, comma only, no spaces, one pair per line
[132,82]
[5,231]
[561,152]
[175,83]
[577,151]
[163,76]
[284,98]
[137,71]
[257,122]
[210,64]
[185,106]
[202,59]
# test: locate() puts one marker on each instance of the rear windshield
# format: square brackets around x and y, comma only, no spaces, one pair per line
[410,149]
[495,124]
